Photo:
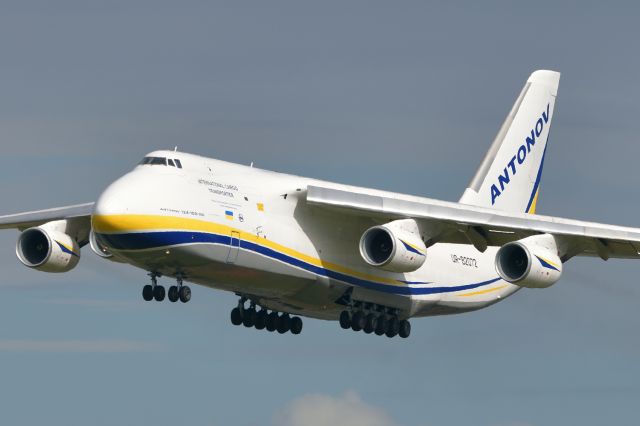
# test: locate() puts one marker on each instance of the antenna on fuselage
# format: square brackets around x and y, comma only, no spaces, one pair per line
[175,149]
[251,165]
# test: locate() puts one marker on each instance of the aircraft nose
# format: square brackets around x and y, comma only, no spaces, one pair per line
[112,206]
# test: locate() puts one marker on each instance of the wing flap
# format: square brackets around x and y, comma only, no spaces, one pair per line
[459,223]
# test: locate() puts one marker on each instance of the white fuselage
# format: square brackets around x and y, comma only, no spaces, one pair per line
[251,231]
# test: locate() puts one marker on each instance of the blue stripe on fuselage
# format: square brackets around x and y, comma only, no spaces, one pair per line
[150,240]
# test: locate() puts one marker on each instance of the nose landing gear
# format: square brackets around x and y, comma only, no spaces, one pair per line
[153,290]
[176,292]
[179,292]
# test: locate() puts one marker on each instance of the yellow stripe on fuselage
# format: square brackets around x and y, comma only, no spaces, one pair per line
[489,290]
[137,223]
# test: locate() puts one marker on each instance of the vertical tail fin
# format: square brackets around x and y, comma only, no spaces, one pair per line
[509,176]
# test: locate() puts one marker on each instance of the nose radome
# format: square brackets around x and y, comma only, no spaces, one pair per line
[114,202]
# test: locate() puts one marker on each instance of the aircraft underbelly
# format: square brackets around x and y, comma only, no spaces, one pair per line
[277,285]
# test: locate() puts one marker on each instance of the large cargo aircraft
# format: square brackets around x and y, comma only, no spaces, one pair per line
[291,246]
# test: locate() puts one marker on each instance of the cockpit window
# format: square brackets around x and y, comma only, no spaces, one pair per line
[157,161]
[161,161]
[154,161]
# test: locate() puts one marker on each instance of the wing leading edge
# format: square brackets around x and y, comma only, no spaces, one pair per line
[78,212]
[447,222]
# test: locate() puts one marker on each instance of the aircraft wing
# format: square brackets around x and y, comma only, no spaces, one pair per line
[80,213]
[448,222]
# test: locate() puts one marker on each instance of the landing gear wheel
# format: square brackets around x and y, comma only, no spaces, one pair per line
[370,323]
[249,317]
[284,323]
[381,327]
[358,321]
[296,325]
[393,327]
[147,292]
[236,316]
[345,319]
[272,321]
[173,294]
[261,320]
[158,293]
[185,294]
[405,329]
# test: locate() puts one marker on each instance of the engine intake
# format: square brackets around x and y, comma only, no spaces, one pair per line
[47,250]
[532,262]
[395,246]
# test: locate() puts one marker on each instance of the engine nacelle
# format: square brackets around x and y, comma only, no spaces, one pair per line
[395,246]
[47,250]
[532,262]
[98,248]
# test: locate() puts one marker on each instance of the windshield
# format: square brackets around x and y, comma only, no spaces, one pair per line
[161,161]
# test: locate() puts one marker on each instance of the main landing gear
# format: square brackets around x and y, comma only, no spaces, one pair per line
[372,318]
[176,292]
[263,319]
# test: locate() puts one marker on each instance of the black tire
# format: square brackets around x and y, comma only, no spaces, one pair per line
[173,295]
[381,327]
[272,321]
[158,293]
[147,293]
[284,323]
[296,325]
[370,323]
[249,317]
[358,321]
[405,329]
[345,319]
[236,316]
[185,294]
[393,327]
[261,320]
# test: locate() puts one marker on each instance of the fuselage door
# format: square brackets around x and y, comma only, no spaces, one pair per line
[234,247]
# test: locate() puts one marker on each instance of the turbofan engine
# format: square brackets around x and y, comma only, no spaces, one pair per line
[532,262]
[47,250]
[395,246]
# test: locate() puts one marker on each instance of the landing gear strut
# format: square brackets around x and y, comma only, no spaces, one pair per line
[263,319]
[179,292]
[153,290]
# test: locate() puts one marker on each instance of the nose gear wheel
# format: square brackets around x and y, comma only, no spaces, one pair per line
[154,291]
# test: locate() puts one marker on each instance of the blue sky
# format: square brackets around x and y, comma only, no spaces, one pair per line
[404,96]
